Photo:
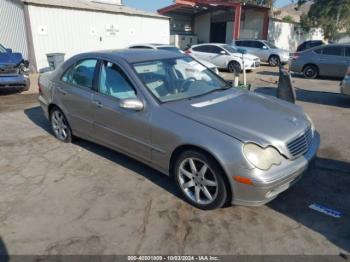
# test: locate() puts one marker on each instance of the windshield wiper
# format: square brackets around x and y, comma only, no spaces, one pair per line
[226,87]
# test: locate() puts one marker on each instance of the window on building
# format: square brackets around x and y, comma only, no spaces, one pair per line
[114,83]
[81,74]
[333,50]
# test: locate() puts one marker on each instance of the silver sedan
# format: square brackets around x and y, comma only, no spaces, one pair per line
[220,144]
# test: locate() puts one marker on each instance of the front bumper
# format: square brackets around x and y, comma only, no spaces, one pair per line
[281,178]
[14,82]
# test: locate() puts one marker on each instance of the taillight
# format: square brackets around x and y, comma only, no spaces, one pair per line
[295,56]
[348,73]
[188,52]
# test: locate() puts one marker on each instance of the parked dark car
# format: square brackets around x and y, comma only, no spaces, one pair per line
[328,60]
[13,70]
[309,44]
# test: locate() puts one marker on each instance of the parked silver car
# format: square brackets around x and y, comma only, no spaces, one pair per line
[327,60]
[220,144]
[224,56]
[172,48]
[265,50]
[345,84]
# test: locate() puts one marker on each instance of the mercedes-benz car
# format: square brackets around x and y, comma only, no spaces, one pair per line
[220,144]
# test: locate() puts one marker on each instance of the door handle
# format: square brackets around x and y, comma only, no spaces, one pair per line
[63,92]
[98,104]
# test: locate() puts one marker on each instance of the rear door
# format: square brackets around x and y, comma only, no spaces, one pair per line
[73,94]
[332,61]
[122,129]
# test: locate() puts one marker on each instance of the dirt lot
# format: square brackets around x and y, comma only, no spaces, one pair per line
[85,199]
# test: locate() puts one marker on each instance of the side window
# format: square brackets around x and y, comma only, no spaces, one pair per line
[202,48]
[238,43]
[333,50]
[140,47]
[347,51]
[81,74]
[216,49]
[257,44]
[114,83]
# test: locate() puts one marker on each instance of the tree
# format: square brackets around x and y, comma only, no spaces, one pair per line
[288,19]
[333,16]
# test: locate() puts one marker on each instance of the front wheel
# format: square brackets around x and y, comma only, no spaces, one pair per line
[234,67]
[274,60]
[200,180]
[60,126]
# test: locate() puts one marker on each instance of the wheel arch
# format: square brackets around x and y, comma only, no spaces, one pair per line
[274,54]
[187,147]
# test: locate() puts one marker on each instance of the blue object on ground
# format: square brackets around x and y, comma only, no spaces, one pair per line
[326,210]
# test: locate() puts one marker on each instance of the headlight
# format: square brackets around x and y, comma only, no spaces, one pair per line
[262,158]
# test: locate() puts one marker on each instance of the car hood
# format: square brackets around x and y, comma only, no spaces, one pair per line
[246,116]
[10,58]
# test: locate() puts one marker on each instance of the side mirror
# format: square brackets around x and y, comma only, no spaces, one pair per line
[264,47]
[9,50]
[223,52]
[133,104]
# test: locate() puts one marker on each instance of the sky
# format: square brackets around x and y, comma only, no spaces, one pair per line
[153,5]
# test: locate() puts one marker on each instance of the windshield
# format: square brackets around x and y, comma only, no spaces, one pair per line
[2,49]
[171,49]
[178,78]
[230,49]
[270,45]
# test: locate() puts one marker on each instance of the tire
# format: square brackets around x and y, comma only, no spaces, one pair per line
[234,67]
[310,72]
[60,126]
[196,183]
[274,60]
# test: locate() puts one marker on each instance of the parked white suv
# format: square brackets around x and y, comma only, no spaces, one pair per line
[172,48]
[265,50]
[224,56]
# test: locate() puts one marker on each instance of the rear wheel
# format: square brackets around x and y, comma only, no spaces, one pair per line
[200,180]
[310,71]
[274,60]
[60,126]
[234,67]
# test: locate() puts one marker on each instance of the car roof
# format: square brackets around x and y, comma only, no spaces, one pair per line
[136,55]
[153,45]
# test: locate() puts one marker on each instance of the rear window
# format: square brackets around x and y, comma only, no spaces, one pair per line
[202,48]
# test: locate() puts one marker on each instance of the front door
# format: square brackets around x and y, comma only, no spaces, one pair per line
[74,95]
[120,128]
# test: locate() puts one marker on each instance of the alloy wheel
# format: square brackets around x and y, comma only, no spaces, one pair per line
[59,125]
[197,181]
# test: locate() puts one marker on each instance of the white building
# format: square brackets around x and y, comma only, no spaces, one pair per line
[38,27]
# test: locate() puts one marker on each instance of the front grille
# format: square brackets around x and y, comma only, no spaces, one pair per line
[301,144]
